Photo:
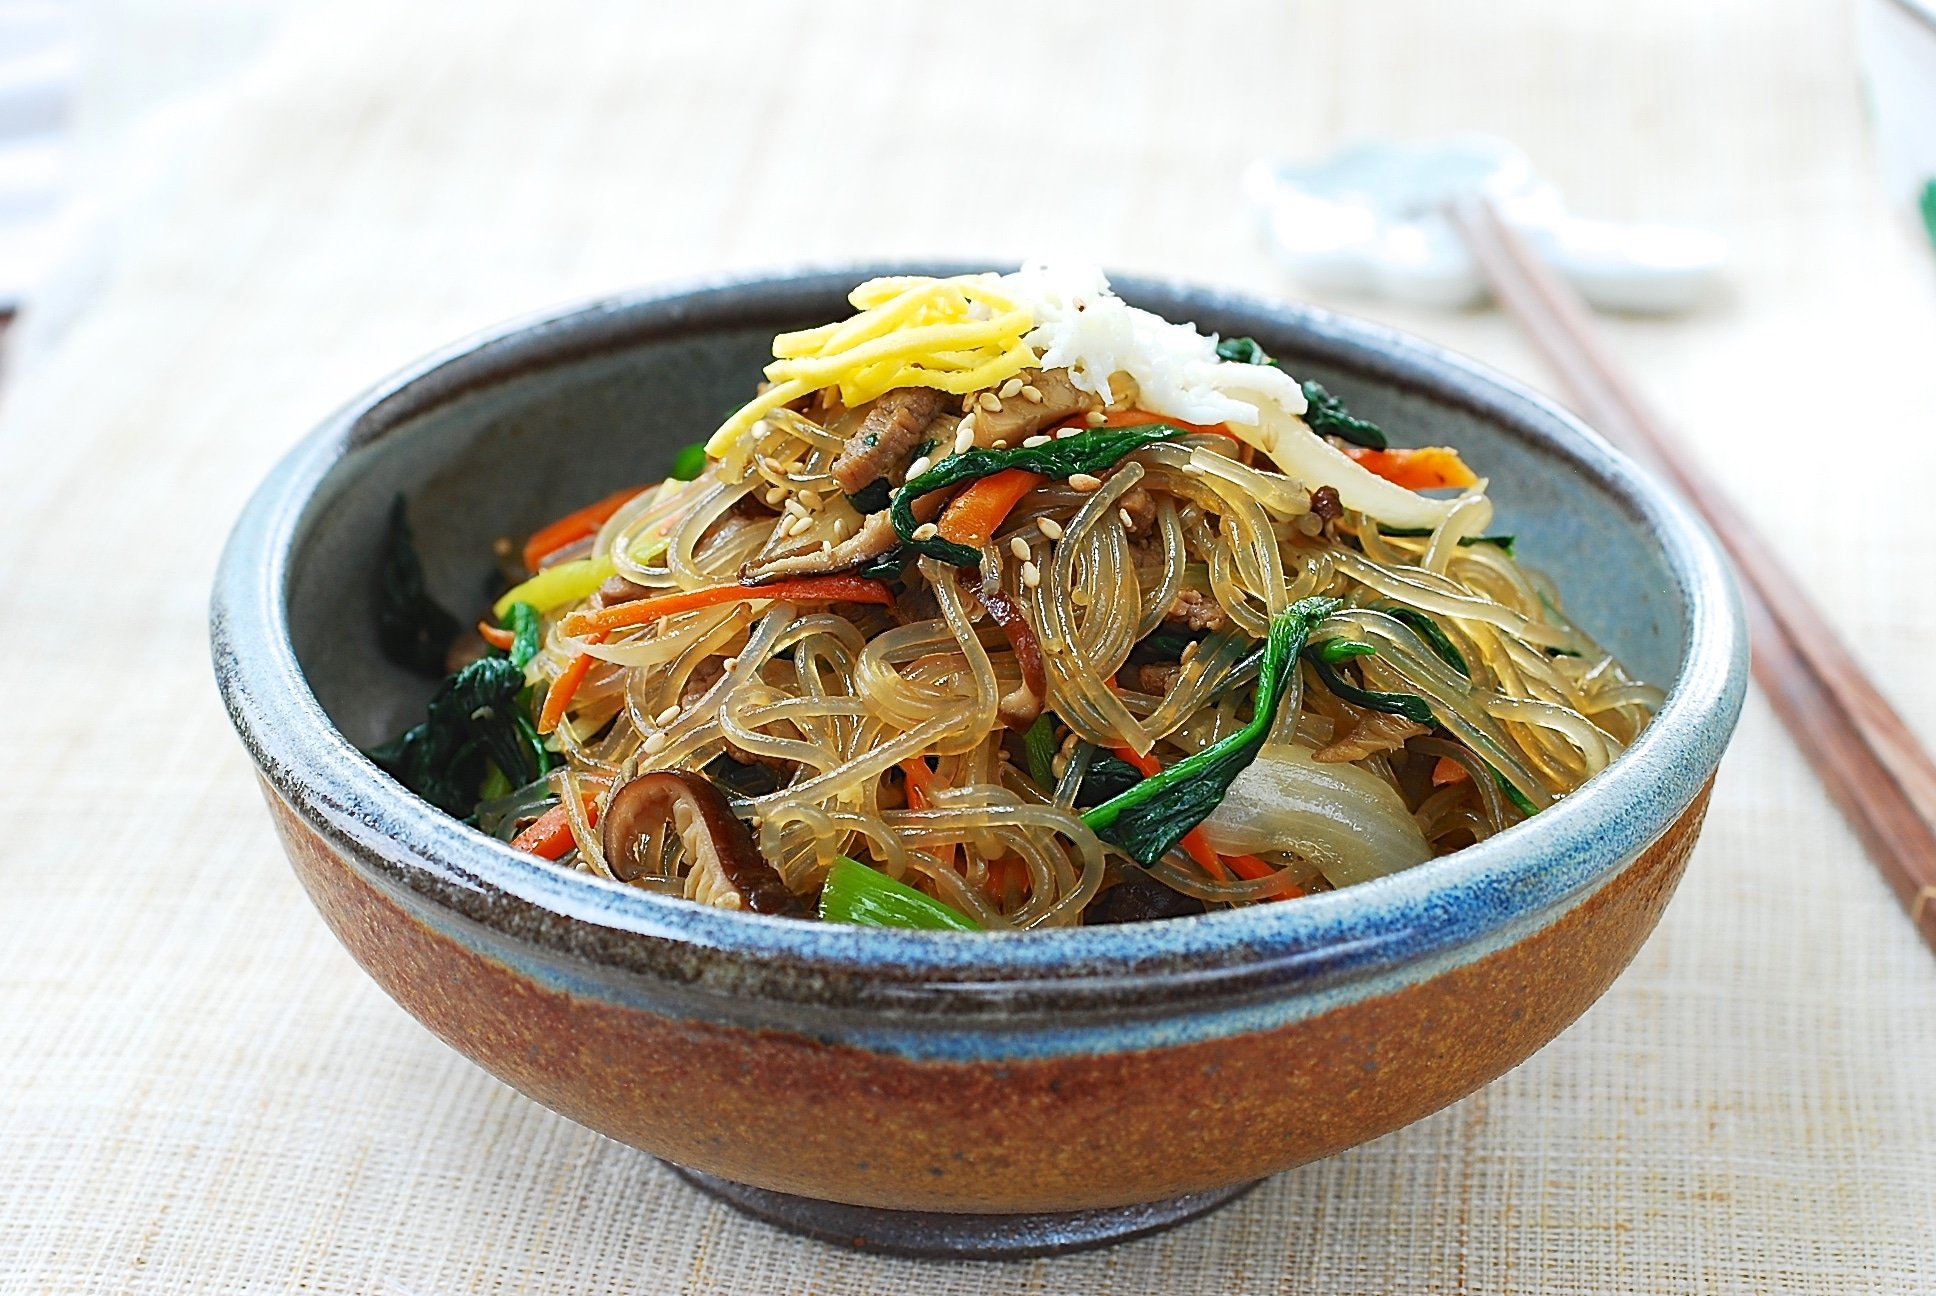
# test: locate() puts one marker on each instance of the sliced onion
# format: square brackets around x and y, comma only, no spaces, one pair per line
[1351,822]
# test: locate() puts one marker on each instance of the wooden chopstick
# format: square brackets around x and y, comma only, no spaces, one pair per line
[1864,753]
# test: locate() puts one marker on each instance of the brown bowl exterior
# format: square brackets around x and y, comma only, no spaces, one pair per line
[794,1114]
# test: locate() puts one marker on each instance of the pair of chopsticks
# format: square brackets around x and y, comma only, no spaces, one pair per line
[1873,766]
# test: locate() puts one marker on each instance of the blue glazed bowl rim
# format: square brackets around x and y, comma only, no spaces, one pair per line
[1458,900]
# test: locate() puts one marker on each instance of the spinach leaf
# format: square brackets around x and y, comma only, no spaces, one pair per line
[525,625]
[1149,818]
[413,629]
[476,721]
[1327,416]
[1038,745]
[688,463]
[1242,350]
[1409,705]
[1108,775]
[1089,452]
[1430,631]
[1505,542]
[871,498]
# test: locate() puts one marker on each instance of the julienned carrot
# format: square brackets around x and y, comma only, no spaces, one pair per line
[559,696]
[1448,772]
[972,516]
[920,794]
[1250,868]
[1194,842]
[549,834]
[573,527]
[807,589]
[1425,468]
[496,636]
[1143,418]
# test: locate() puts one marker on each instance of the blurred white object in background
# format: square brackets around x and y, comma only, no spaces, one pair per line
[1898,43]
[38,70]
[1371,220]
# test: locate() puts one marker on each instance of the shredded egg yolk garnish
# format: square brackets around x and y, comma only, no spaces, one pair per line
[958,335]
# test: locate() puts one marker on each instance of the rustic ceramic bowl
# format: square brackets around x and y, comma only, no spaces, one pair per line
[927,1092]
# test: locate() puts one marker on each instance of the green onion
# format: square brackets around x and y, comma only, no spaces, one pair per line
[869,898]
[1148,819]
[1088,452]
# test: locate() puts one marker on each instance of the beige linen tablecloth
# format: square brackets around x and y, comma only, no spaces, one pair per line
[200,1092]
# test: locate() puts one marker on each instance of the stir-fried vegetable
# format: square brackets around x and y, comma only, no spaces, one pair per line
[1038,744]
[475,722]
[806,589]
[1150,818]
[1409,705]
[1422,468]
[575,526]
[1088,452]
[1325,414]
[413,629]
[1353,823]
[868,898]
[559,586]
[549,835]
[972,516]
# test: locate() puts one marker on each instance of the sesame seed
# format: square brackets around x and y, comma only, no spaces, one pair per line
[1030,392]
[1079,597]
[964,439]
[796,508]
[1009,388]
[1084,482]
[809,499]
[800,525]
[968,403]
[1018,547]
[918,467]
[1123,513]
[841,528]
[1064,434]
[1095,418]
[991,402]
[1189,651]
[826,546]
[776,497]
[654,743]
[926,531]
[999,445]
[1031,575]
[729,664]
[666,716]
[968,423]
[1036,440]
[1050,527]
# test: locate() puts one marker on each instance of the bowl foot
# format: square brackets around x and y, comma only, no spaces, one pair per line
[938,1234]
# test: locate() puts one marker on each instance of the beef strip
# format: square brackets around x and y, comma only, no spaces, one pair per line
[887,436]
[1197,610]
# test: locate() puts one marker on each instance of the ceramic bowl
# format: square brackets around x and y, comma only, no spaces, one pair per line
[943,1093]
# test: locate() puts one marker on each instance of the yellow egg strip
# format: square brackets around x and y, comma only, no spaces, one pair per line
[912,331]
